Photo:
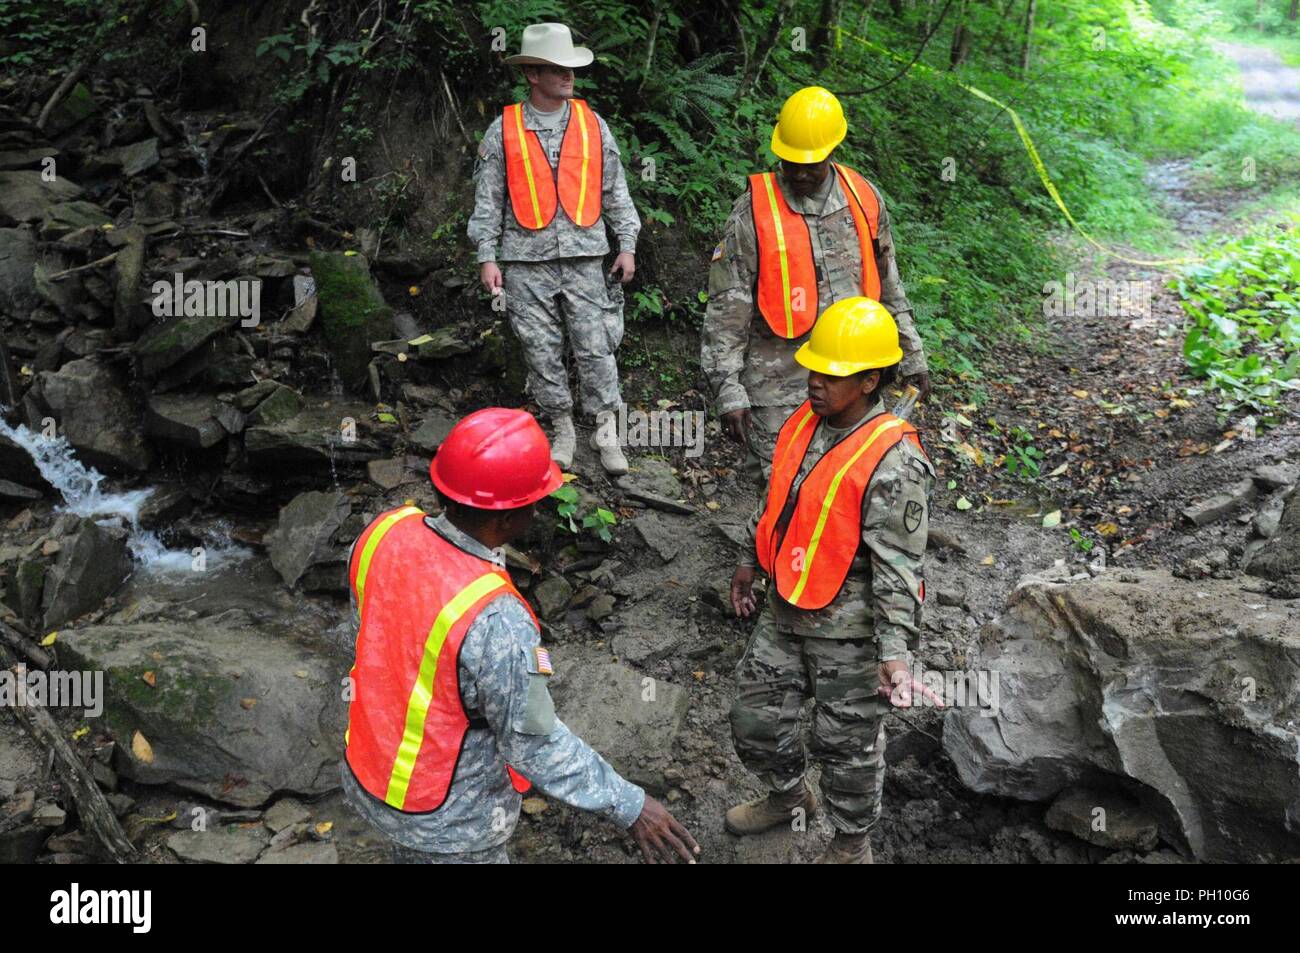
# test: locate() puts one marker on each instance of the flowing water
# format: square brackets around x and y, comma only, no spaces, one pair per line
[83,494]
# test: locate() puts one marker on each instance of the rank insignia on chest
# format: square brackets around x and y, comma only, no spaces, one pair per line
[717,253]
[543,661]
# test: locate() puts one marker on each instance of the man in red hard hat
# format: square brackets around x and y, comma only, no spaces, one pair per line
[450,717]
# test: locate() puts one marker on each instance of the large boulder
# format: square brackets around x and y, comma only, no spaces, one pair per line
[219,706]
[25,195]
[190,420]
[305,535]
[316,439]
[353,311]
[166,344]
[1279,558]
[17,266]
[94,410]
[92,562]
[1182,692]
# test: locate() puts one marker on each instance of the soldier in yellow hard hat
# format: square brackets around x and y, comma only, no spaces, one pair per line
[809,234]
[841,534]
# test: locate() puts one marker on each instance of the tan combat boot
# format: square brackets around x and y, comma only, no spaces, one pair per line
[847,849]
[611,454]
[564,442]
[771,810]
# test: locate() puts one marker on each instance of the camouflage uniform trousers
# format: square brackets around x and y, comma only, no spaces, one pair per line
[760,440]
[493,855]
[536,291]
[777,673]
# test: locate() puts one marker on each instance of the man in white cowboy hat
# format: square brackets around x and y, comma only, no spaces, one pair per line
[548,179]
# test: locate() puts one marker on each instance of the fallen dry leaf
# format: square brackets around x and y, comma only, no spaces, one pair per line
[248,703]
[534,805]
[150,679]
[141,748]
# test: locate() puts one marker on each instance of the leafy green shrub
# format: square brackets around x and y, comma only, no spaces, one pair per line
[1243,309]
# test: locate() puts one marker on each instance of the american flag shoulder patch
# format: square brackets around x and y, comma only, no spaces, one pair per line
[543,661]
[717,252]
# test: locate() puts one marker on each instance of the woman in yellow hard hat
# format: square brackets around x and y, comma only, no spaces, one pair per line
[841,534]
[811,234]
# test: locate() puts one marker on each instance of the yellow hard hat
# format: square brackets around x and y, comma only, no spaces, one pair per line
[811,124]
[852,335]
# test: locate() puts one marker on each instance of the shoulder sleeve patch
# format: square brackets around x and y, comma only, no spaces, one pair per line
[542,659]
[717,252]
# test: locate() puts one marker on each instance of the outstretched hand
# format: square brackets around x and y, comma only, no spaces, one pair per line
[900,686]
[661,836]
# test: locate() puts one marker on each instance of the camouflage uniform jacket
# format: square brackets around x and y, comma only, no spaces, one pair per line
[882,592]
[745,363]
[494,222]
[500,681]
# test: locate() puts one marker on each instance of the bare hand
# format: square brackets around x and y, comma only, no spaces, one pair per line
[921,381]
[742,591]
[899,685]
[661,837]
[490,274]
[736,423]
[624,267]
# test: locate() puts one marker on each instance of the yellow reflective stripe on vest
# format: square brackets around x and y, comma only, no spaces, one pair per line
[768,180]
[586,153]
[417,709]
[363,568]
[522,138]
[826,506]
[368,551]
[844,177]
[793,437]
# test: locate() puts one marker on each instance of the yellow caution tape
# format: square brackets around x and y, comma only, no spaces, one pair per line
[1037,161]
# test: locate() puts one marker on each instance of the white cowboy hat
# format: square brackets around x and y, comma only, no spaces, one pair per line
[550,44]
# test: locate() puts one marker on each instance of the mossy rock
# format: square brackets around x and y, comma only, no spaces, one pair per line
[227,710]
[353,312]
[167,344]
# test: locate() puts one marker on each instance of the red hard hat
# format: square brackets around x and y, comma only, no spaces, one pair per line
[495,459]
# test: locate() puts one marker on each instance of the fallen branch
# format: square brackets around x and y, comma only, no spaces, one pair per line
[34,653]
[60,275]
[92,807]
[455,111]
[68,82]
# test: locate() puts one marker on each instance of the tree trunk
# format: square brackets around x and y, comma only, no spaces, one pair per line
[1029,32]
[765,48]
[961,39]
[1294,12]
[824,37]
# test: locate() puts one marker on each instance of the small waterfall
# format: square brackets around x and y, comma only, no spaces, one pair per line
[82,495]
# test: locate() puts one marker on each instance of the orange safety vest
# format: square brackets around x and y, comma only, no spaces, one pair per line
[807,544]
[532,182]
[417,595]
[787,274]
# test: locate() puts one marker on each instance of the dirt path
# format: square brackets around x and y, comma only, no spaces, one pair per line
[1271,86]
